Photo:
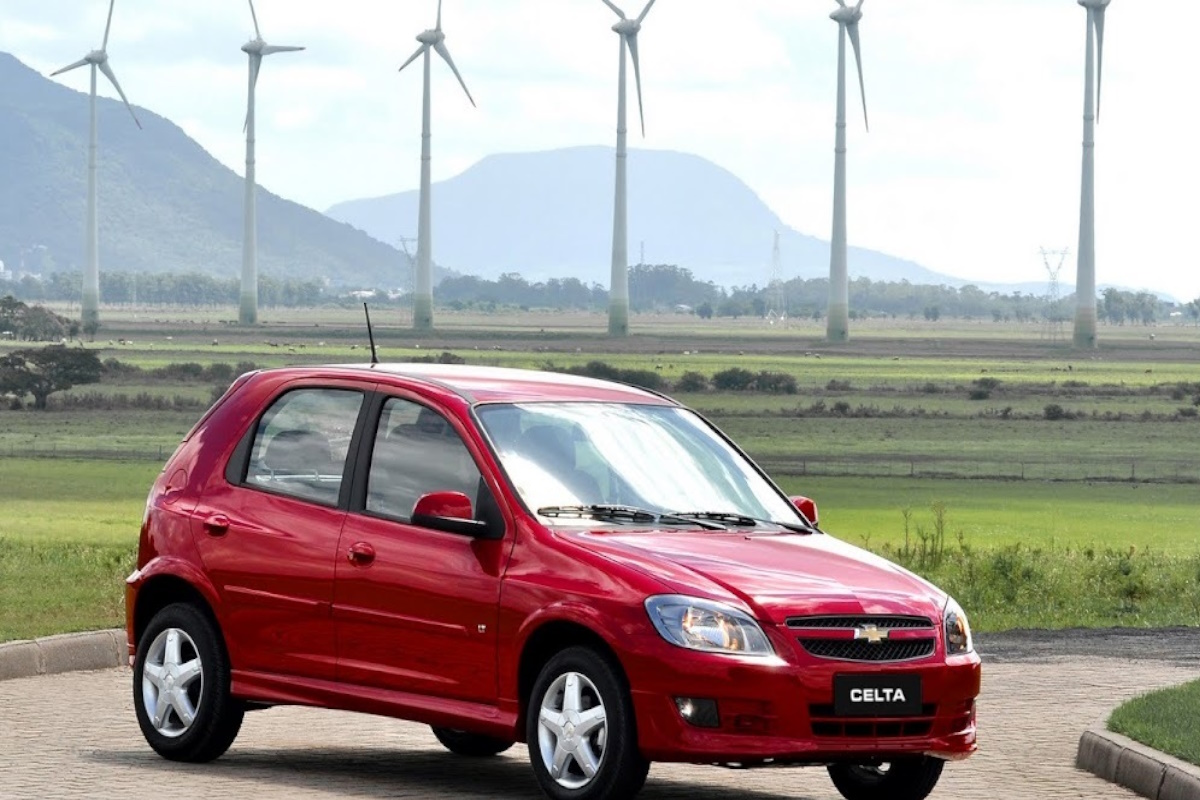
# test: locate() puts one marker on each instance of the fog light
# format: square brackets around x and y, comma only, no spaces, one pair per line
[698,711]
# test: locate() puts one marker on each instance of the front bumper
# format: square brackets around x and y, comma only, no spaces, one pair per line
[780,710]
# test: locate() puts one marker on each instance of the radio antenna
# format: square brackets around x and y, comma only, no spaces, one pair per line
[370,334]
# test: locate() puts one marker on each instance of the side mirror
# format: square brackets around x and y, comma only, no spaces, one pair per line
[451,512]
[807,507]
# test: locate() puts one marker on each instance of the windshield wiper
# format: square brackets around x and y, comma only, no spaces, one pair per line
[733,518]
[631,513]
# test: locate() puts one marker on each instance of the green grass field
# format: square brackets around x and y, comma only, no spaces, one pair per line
[1112,539]
[1167,720]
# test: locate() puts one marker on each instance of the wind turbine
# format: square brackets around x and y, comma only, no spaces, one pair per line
[256,48]
[618,293]
[98,60]
[1085,278]
[423,293]
[838,323]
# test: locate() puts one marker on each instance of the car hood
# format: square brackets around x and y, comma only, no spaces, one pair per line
[778,575]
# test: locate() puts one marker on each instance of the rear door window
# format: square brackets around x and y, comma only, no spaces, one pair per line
[301,444]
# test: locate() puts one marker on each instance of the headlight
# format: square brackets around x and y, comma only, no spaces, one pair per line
[704,625]
[958,632]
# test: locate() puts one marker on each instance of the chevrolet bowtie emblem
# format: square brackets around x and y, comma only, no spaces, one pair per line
[871,633]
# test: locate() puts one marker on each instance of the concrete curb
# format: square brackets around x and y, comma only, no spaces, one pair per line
[65,653]
[1120,760]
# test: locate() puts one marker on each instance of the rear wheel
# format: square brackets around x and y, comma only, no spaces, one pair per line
[464,743]
[581,730]
[181,687]
[904,779]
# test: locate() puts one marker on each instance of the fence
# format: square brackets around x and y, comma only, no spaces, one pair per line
[951,467]
[925,467]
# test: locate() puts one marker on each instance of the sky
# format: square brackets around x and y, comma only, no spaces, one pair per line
[970,167]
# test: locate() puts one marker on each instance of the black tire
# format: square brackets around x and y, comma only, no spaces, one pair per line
[464,743]
[620,767]
[217,714]
[903,779]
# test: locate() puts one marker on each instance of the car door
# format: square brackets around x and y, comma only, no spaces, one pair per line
[267,531]
[415,609]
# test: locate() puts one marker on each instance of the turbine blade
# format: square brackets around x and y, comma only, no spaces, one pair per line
[420,51]
[83,62]
[618,11]
[108,25]
[637,78]
[852,29]
[1099,12]
[280,48]
[646,11]
[257,33]
[112,77]
[442,51]
[255,66]
[439,19]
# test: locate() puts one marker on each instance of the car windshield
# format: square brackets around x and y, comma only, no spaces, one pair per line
[663,459]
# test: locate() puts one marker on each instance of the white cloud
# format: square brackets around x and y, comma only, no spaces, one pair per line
[971,165]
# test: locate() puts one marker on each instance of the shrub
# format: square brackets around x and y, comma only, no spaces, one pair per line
[979,394]
[841,408]
[1189,411]
[692,382]
[645,378]
[775,382]
[838,386]
[734,379]
[931,388]
[1054,411]
[598,369]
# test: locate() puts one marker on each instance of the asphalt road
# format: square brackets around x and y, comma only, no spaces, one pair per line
[74,735]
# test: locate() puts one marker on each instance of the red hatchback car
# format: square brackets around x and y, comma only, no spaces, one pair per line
[517,556]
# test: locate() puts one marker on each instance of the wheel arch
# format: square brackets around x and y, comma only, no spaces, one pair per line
[164,589]
[543,643]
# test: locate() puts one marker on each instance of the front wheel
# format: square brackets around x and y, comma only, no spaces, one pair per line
[181,687]
[475,745]
[906,779]
[581,730]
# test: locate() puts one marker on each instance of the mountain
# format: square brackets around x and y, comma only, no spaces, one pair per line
[549,214]
[166,205]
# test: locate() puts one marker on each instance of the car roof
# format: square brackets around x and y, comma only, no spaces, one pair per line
[479,384]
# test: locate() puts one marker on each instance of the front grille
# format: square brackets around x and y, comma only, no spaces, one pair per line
[862,650]
[892,622]
[871,730]
[840,727]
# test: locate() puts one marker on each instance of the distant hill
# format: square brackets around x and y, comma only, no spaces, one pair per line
[166,205]
[549,214]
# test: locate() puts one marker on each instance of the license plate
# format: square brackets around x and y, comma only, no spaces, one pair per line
[877,695]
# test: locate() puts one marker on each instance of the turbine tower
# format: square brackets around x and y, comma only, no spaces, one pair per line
[423,294]
[1085,279]
[618,293]
[256,48]
[98,60]
[838,323]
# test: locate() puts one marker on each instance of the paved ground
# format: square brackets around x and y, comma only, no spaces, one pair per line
[74,735]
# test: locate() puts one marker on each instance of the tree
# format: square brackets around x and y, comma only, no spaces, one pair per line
[48,370]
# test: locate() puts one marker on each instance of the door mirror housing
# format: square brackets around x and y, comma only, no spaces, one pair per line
[451,512]
[808,507]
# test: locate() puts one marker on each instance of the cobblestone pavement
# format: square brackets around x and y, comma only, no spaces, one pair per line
[74,735]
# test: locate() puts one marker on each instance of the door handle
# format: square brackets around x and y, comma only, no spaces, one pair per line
[361,554]
[216,525]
